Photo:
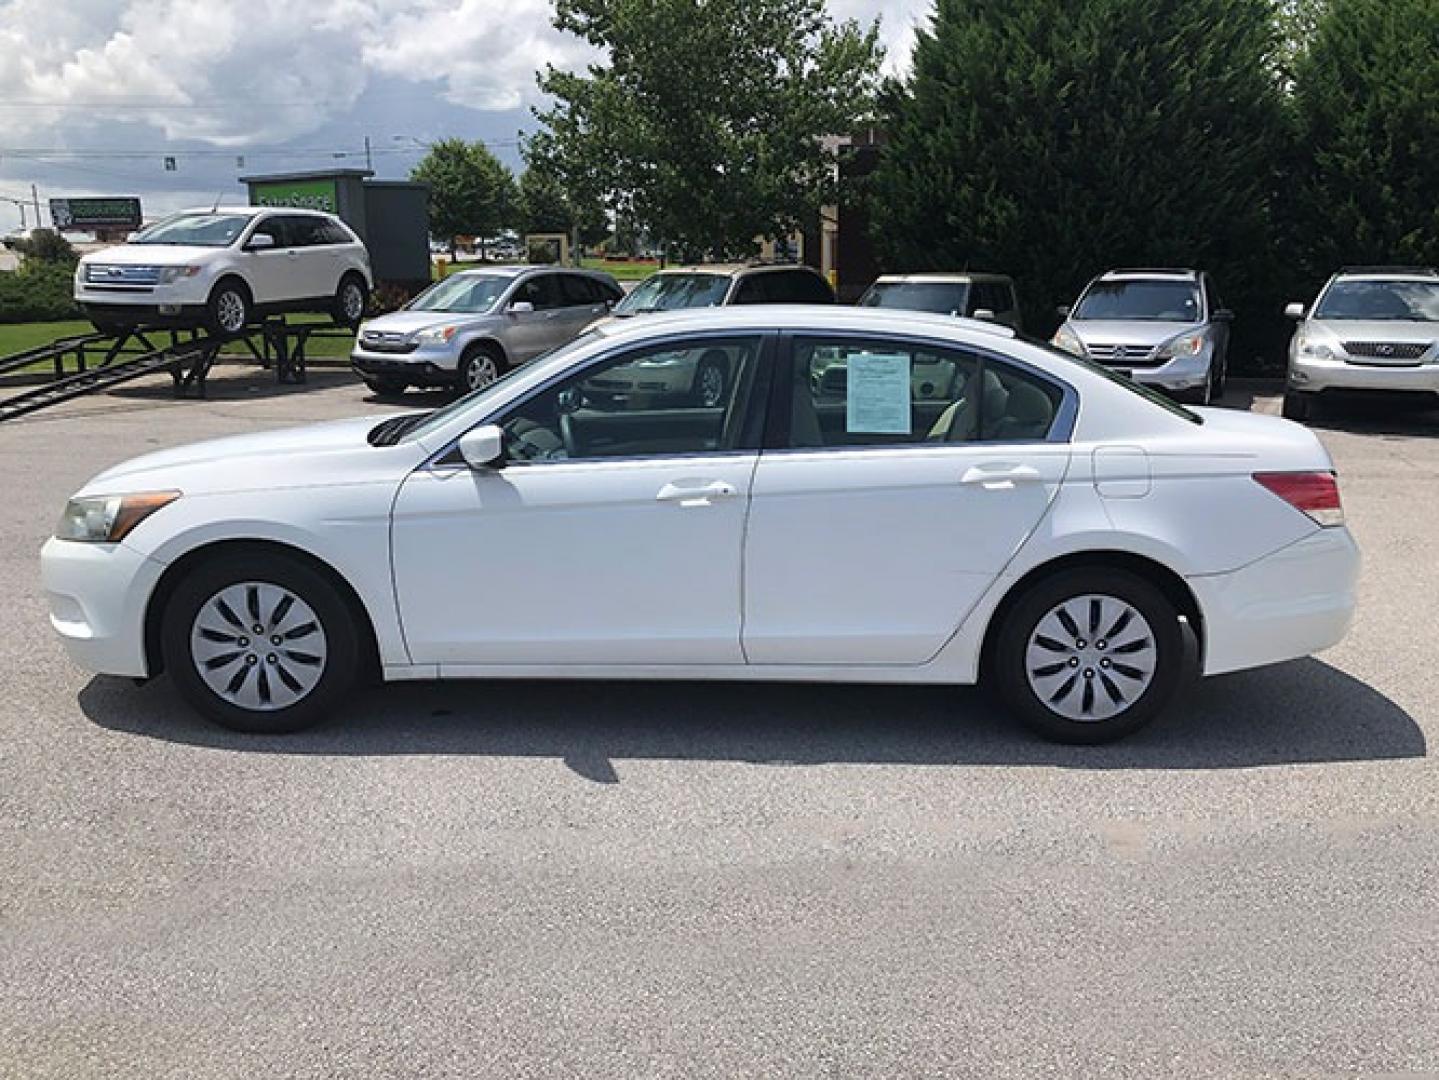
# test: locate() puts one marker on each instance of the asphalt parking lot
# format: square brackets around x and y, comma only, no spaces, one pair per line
[519,880]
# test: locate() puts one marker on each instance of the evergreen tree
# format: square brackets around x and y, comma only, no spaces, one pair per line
[1054,139]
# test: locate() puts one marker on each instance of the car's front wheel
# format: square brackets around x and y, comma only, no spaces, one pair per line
[387,385]
[479,367]
[1089,655]
[260,643]
[711,380]
[1298,406]
[229,308]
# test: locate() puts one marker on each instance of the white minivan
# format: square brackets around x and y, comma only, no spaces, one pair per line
[222,269]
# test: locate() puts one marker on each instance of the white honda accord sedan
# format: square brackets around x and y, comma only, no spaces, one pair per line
[881,496]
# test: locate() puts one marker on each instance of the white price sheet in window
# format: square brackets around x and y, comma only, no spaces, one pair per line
[877,402]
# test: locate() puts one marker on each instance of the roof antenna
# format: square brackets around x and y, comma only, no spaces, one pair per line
[218,196]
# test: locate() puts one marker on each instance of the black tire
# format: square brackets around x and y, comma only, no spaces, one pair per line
[478,360]
[387,385]
[339,642]
[1222,384]
[1020,632]
[229,309]
[1298,406]
[351,299]
[711,380]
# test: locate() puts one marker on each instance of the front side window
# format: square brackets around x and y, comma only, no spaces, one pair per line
[880,393]
[577,291]
[799,287]
[1398,301]
[195,230]
[940,297]
[274,228]
[676,398]
[671,292]
[541,291]
[1144,301]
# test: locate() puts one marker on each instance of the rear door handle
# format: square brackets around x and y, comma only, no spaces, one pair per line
[999,477]
[696,495]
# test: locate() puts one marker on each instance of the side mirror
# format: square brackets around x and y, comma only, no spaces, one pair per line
[1294,311]
[521,307]
[483,447]
[983,314]
[1062,311]
[1223,315]
[259,242]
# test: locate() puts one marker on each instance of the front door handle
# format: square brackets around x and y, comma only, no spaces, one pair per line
[696,494]
[999,477]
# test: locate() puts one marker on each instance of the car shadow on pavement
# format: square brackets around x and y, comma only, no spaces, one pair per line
[1300,712]
[1369,414]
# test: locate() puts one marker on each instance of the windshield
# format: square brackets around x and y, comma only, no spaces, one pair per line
[1393,301]
[470,294]
[195,230]
[1154,397]
[941,297]
[539,369]
[1143,301]
[671,292]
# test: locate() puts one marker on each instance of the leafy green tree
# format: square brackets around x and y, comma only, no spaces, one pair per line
[1366,99]
[703,125]
[47,246]
[472,193]
[1053,139]
[546,207]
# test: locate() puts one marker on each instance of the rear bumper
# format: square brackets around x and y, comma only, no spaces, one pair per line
[1297,601]
[1311,376]
[98,594]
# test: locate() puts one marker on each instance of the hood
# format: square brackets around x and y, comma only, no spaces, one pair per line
[148,255]
[1128,331]
[408,322]
[291,457]
[1376,330]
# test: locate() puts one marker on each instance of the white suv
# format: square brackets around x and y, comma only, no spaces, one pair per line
[224,268]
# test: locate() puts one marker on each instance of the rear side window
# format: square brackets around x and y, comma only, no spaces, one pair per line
[304,231]
[577,291]
[860,392]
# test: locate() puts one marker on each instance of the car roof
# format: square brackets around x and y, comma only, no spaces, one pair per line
[803,317]
[1149,274]
[940,277]
[1387,273]
[733,269]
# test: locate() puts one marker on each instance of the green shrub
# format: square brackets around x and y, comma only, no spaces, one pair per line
[37,292]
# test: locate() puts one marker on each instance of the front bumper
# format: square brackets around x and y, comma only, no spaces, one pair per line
[1172,376]
[1311,376]
[416,372]
[98,594]
[1298,601]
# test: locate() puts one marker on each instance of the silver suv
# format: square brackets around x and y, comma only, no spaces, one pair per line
[1164,328]
[468,329]
[721,285]
[1372,328]
[973,295]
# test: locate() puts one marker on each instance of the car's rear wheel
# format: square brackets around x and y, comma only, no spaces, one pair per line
[1089,655]
[350,300]
[260,644]
[229,308]
[479,366]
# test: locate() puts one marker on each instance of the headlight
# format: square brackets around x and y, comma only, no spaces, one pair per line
[1313,350]
[1182,347]
[108,519]
[171,274]
[1066,339]
[437,335]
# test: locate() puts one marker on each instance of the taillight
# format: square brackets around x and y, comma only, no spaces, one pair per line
[1314,493]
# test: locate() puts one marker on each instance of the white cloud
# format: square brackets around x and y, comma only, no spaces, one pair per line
[234,73]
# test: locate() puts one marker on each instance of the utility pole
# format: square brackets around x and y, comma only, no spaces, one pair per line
[369,162]
[35,195]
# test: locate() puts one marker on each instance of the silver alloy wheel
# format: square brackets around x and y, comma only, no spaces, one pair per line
[230,311]
[711,386]
[258,646]
[1091,657]
[481,370]
[352,301]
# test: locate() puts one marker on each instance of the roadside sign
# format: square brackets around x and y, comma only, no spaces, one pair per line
[87,215]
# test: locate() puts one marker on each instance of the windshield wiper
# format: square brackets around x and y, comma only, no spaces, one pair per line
[391,431]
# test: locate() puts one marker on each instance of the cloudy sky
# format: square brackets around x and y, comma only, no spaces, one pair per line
[94,94]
